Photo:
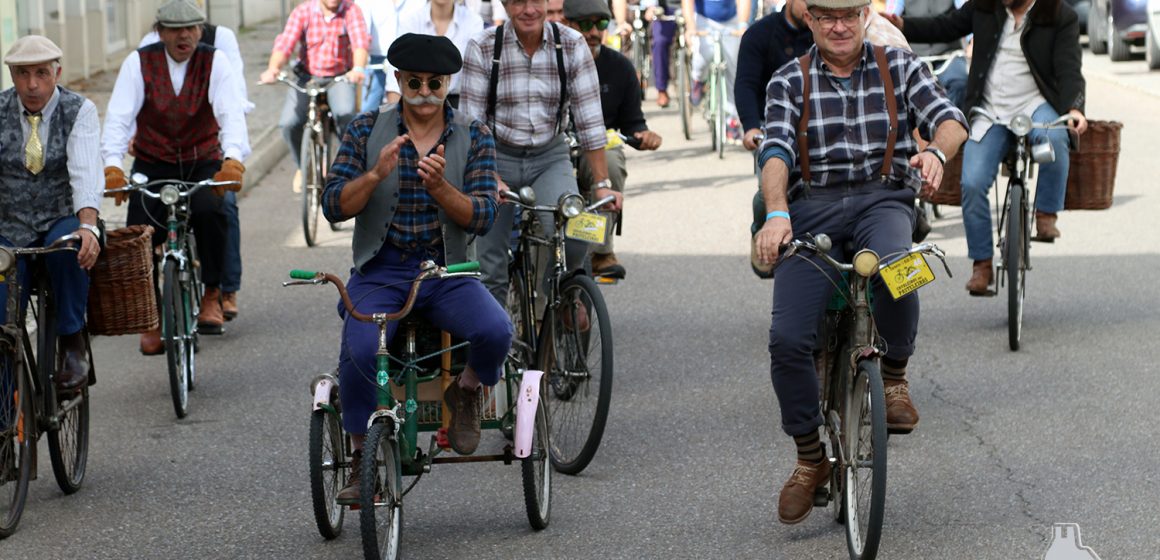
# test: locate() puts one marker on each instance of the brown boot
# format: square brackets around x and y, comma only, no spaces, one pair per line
[151,343]
[1045,229]
[229,305]
[797,496]
[210,319]
[982,275]
[464,406]
[607,265]
[72,363]
[349,495]
[901,416]
[663,99]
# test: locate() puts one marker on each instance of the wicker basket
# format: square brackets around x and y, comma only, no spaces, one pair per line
[950,192]
[1092,174]
[121,296]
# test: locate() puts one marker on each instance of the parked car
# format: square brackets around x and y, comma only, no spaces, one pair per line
[1115,25]
[1152,40]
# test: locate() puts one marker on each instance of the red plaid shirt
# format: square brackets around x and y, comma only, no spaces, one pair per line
[329,42]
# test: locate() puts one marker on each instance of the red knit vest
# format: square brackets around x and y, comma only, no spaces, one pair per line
[176,128]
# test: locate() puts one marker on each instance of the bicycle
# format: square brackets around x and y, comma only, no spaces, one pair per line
[181,287]
[682,63]
[1014,211]
[413,405]
[577,362]
[30,405]
[640,45]
[852,394]
[714,111]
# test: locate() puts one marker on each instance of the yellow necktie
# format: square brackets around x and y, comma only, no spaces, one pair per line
[34,150]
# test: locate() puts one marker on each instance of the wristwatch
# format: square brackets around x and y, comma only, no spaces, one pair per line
[96,230]
[937,153]
[604,184]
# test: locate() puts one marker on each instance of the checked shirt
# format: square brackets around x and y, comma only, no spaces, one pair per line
[329,42]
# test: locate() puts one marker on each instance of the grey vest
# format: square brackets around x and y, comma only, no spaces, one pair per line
[371,225]
[29,204]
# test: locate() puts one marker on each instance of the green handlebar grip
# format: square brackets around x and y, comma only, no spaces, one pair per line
[302,274]
[469,266]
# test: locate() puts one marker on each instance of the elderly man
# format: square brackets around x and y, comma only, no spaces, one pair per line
[620,100]
[854,177]
[50,186]
[542,71]
[419,179]
[181,97]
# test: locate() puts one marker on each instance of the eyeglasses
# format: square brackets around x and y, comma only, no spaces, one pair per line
[433,84]
[849,19]
[587,25]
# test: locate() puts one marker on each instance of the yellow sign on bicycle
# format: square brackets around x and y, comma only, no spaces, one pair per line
[587,227]
[906,275]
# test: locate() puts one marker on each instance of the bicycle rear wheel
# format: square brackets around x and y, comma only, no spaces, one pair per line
[579,367]
[864,464]
[381,500]
[176,325]
[308,162]
[536,472]
[327,450]
[68,444]
[1015,263]
[684,92]
[16,440]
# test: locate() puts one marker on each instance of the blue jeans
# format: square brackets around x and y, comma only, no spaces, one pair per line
[70,283]
[293,119]
[980,165]
[954,80]
[375,86]
[232,260]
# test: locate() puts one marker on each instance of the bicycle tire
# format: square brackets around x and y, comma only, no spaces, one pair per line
[16,443]
[311,189]
[381,500]
[197,290]
[536,471]
[175,328]
[579,393]
[1015,264]
[68,445]
[721,118]
[865,498]
[327,450]
[684,92]
[519,314]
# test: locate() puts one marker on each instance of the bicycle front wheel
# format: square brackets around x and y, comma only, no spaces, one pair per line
[68,444]
[381,500]
[577,358]
[1015,264]
[176,326]
[864,464]
[16,441]
[536,472]
[684,92]
[719,120]
[309,162]
[327,450]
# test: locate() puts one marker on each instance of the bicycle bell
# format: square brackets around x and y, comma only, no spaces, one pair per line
[528,196]
[823,243]
[1043,153]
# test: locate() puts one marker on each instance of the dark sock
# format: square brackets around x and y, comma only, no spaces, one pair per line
[809,447]
[894,370]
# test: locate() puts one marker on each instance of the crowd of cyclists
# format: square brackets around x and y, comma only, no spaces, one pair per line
[467,100]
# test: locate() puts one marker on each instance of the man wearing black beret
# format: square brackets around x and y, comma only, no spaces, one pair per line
[419,178]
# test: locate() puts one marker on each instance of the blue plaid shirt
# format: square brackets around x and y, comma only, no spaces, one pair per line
[416,222]
[847,128]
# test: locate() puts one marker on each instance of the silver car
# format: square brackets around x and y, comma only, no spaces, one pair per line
[1152,38]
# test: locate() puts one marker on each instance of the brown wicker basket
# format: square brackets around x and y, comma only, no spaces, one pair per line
[950,191]
[121,296]
[1092,175]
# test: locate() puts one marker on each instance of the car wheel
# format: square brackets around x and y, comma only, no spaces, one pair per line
[1097,33]
[1117,47]
[1152,48]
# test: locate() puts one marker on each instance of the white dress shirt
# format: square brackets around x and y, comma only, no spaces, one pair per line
[129,96]
[1011,89]
[464,25]
[225,41]
[84,147]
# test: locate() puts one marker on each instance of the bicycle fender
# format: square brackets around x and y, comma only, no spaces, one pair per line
[526,404]
[323,386]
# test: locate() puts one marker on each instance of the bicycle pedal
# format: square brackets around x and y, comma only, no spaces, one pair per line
[821,496]
[441,439]
[607,280]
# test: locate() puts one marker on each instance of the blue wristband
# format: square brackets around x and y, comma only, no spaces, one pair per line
[777,214]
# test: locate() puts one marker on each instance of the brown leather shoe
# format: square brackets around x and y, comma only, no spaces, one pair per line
[901,416]
[463,434]
[797,496]
[210,319]
[1045,229]
[72,364]
[349,495]
[229,305]
[662,99]
[982,275]
[607,265]
[581,313]
[151,343]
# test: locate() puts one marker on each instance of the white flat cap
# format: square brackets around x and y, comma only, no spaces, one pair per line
[32,49]
[179,13]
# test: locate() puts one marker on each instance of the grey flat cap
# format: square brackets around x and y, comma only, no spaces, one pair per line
[32,49]
[179,13]
[576,10]
[836,4]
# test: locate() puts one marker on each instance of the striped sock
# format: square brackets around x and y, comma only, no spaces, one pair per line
[894,370]
[809,447]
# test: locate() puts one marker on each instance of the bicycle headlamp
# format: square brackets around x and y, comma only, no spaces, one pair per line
[170,195]
[866,263]
[1021,125]
[571,205]
[7,260]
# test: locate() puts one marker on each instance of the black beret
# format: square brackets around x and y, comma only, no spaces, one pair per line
[413,52]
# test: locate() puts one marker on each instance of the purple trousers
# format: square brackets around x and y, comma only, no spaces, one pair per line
[662,41]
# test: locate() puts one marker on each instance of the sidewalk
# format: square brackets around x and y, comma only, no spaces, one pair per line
[265,138]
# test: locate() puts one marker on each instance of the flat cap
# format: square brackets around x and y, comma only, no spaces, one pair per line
[576,10]
[32,49]
[836,4]
[413,52]
[179,13]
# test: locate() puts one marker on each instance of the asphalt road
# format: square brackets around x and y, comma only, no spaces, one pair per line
[1061,431]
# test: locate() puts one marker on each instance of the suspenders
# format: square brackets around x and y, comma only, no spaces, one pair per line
[493,82]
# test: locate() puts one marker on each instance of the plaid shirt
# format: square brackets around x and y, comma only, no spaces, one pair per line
[329,42]
[529,88]
[847,129]
[416,222]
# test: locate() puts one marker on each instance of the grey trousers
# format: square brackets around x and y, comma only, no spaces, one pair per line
[548,170]
[617,173]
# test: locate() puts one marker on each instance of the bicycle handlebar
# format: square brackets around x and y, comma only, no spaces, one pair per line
[319,87]
[939,63]
[821,245]
[1060,122]
[185,188]
[8,254]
